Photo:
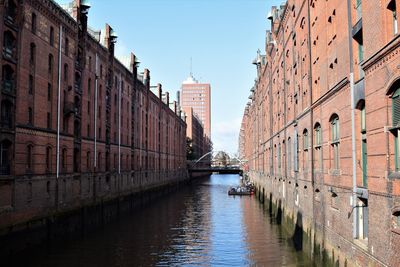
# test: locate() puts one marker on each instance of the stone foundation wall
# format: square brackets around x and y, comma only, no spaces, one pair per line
[320,226]
[40,198]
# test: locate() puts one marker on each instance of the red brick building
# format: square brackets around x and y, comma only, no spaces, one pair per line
[198,96]
[320,132]
[77,126]
[200,142]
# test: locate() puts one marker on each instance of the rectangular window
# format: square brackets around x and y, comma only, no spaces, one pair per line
[362,219]
[33,25]
[51,39]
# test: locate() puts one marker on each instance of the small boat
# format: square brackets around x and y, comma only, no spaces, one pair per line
[240,191]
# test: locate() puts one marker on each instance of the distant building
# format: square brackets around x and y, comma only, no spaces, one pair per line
[198,96]
[195,131]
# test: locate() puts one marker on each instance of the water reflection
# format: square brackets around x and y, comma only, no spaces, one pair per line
[198,226]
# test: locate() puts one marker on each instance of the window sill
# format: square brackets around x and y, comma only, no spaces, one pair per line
[6,209]
[394,175]
[334,172]
[362,243]
[396,230]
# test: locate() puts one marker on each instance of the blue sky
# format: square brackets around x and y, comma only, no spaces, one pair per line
[221,37]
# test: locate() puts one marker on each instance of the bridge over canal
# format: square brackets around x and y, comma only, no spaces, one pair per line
[216,162]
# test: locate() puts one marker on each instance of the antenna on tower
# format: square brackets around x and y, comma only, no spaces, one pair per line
[191,63]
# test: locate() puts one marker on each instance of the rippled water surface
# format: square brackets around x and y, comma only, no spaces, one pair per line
[200,225]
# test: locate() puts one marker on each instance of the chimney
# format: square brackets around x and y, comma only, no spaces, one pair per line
[146,79]
[110,38]
[159,90]
[132,63]
[178,97]
[167,98]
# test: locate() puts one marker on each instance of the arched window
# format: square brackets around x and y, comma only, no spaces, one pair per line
[335,140]
[48,159]
[318,145]
[306,145]
[396,123]
[29,158]
[5,157]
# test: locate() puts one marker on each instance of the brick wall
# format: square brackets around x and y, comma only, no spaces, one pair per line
[304,82]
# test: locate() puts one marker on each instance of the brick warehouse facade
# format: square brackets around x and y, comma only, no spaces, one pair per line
[320,132]
[114,135]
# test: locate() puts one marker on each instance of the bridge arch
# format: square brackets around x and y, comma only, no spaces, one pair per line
[213,153]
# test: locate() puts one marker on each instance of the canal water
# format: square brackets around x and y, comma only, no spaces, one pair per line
[199,225]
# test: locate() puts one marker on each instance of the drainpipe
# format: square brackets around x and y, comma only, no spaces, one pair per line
[353,131]
[119,124]
[311,98]
[95,113]
[310,84]
[59,102]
